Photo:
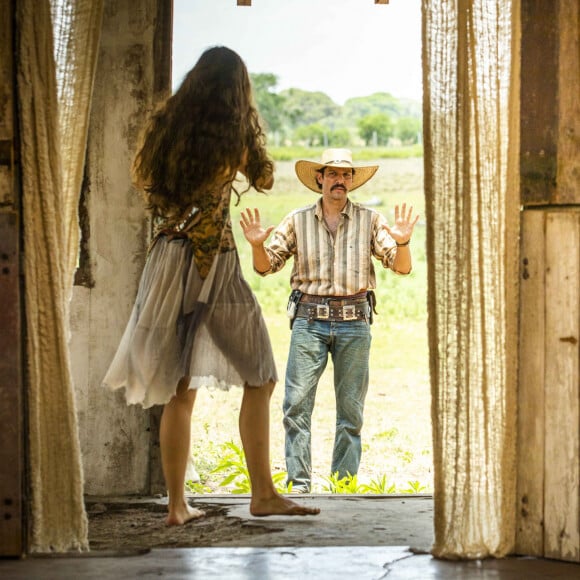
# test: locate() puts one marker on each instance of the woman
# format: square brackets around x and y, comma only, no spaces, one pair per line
[196,321]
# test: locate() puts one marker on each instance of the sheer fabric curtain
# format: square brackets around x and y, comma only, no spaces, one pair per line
[54,111]
[471,96]
[77,28]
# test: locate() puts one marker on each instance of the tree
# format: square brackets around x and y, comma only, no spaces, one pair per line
[270,104]
[317,135]
[322,122]
[339,138]
[375,129]
[408,130]
[313,135]
[306,107]
[359,107]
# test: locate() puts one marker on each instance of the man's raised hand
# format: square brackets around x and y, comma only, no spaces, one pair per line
[402,229]
[252,227]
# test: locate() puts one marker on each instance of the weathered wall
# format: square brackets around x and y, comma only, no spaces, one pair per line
[549,401]
[115,439]
[548,507]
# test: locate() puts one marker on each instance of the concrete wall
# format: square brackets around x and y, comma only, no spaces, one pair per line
[115,439]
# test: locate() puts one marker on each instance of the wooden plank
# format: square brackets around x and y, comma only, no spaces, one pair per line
[568,191]
[539,97]
[562,397]
[244,2]
[12,523]
[381,1]
[6,72]
[530,460]
[6,105]
[11,444]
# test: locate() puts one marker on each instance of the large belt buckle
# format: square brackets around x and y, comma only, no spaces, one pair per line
[349,312]
[322,311]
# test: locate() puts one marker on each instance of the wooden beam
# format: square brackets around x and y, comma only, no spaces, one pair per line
[539,97]
[568,103]
[11,396]
[244,2]
[550,111]
[531,398]
[13,540]
[381,1]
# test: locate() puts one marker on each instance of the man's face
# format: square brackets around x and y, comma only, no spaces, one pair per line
[336,182]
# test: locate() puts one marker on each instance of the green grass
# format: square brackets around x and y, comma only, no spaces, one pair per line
[397,431]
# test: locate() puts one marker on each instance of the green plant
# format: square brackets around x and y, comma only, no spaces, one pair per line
[197,487]
[414,487]
[235,468]
[345,485]
[379,486]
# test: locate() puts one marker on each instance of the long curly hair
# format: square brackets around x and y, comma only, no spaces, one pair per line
[201,136]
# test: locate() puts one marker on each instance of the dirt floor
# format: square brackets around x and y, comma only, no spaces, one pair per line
[137,524]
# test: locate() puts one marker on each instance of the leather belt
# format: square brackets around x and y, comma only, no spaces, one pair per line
[360,298]
[355,310]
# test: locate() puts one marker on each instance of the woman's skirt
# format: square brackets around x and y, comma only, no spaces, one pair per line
[210,330]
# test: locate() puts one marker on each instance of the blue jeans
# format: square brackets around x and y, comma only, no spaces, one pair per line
[349,345]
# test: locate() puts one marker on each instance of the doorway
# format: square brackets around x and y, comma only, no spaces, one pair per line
[307,107]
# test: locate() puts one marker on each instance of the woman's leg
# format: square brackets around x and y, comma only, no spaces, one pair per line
[174,436]
[255,433]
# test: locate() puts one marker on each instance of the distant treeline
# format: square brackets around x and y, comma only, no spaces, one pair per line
[313,119]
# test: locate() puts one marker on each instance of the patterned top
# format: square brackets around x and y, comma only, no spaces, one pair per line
[327,266]
[209,228]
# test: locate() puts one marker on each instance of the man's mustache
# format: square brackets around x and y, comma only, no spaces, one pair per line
[338,186]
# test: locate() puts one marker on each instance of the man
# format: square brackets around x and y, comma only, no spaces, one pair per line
[332,242]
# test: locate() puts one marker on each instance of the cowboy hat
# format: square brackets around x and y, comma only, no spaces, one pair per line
[307,170]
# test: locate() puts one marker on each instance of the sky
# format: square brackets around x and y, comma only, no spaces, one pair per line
[344,48]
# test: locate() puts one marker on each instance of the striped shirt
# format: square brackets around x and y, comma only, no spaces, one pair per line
[327,266]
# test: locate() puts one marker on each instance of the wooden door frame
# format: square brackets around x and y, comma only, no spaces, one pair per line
[13,536]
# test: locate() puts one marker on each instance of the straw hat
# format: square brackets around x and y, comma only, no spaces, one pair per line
[307,170]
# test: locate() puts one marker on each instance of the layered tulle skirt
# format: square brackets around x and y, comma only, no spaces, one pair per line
[210,330]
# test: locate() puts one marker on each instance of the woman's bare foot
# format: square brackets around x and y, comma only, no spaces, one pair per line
[182,515]
[280,506]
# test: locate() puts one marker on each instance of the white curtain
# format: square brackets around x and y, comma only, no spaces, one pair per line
[471,92]
[54,111]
